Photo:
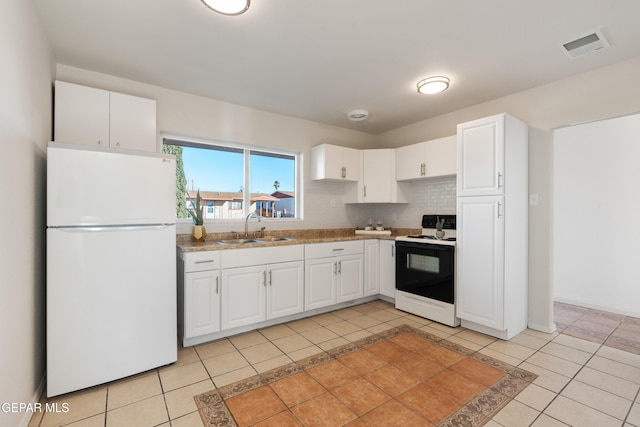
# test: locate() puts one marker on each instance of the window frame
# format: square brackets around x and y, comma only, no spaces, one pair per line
[246,149]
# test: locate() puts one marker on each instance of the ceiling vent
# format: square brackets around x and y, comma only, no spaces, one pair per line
[586,43]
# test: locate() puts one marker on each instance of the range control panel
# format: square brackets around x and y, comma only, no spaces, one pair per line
[429,221]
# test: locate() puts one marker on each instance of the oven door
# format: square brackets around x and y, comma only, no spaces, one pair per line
[426,269]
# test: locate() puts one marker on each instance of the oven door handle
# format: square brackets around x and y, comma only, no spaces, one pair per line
[402,246]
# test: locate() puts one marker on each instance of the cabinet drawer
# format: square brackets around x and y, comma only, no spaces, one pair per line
[244,257]
[323,250]
[201,261]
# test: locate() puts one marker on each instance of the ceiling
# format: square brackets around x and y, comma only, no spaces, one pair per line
[317,60]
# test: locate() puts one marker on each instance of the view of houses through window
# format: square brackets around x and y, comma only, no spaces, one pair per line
[218,172]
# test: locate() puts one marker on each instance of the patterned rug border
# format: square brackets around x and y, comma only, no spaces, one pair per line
[477,412]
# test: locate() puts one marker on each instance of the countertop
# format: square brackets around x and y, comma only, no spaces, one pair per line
[185,243]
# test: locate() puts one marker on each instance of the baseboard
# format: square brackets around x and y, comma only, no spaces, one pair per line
[542,328]
[27,415]
[586,304]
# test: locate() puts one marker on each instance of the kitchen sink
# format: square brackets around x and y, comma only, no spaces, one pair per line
[236,241]
[273,239]
[268,239]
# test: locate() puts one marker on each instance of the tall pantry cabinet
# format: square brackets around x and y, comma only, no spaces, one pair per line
[492,226]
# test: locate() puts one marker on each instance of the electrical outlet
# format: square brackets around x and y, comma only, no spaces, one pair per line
[332,203]
[533,199]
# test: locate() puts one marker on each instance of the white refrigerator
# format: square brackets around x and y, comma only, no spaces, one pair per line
[111,268]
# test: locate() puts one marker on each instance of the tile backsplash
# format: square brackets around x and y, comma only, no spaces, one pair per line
[431,196]
[440,195]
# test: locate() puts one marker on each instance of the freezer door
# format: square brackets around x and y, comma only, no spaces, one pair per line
[111,304]
[106,187]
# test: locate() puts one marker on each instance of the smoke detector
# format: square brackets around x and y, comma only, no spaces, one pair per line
[585,43]
[358,115]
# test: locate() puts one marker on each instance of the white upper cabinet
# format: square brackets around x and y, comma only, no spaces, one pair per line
[132,122]
[81,114]
[481,157]
[90,116]
[426,159]
[377,179]
[335,163]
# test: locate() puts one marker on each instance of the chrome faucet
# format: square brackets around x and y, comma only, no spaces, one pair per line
[246,223]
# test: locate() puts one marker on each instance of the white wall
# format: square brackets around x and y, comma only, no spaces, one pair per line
[596,206]
[190,115]
[607,92]
[25,128]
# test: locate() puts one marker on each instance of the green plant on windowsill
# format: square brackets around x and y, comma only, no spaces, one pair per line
[197,215]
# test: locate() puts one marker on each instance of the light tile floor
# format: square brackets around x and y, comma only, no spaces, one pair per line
[580,382]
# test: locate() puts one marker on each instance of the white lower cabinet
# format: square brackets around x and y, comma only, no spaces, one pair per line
[255,293]
[199,294]
[320,283]
[227,291]
[334,273]
[480,258]
[243,296]
[350,284]
[202,299]
[371,264]
[387,268]
[285,289]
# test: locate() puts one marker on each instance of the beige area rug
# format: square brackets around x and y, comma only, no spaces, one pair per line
[402,377]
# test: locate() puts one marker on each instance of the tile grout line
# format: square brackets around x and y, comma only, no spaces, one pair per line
[635,399]
[601,345]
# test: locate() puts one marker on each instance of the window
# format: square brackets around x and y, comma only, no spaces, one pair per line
[268,184]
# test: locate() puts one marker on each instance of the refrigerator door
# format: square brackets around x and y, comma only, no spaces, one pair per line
[111,304]
[89,186]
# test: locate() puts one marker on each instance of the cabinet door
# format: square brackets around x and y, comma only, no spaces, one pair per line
[378,176]
[320,282]
[350,163]
[481,157]
[243,296]
[410,162]
[350,278]
[81,114]
[201,303]
[133,122]
[335,163]
[388,268]
[480,260]
[371,282]
[285,290]
[440,157]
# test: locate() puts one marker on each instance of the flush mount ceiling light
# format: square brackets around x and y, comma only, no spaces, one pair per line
[358,115]
[433,85]
[228,7]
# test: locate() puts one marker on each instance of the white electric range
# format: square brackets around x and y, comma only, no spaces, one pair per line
[425,271]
